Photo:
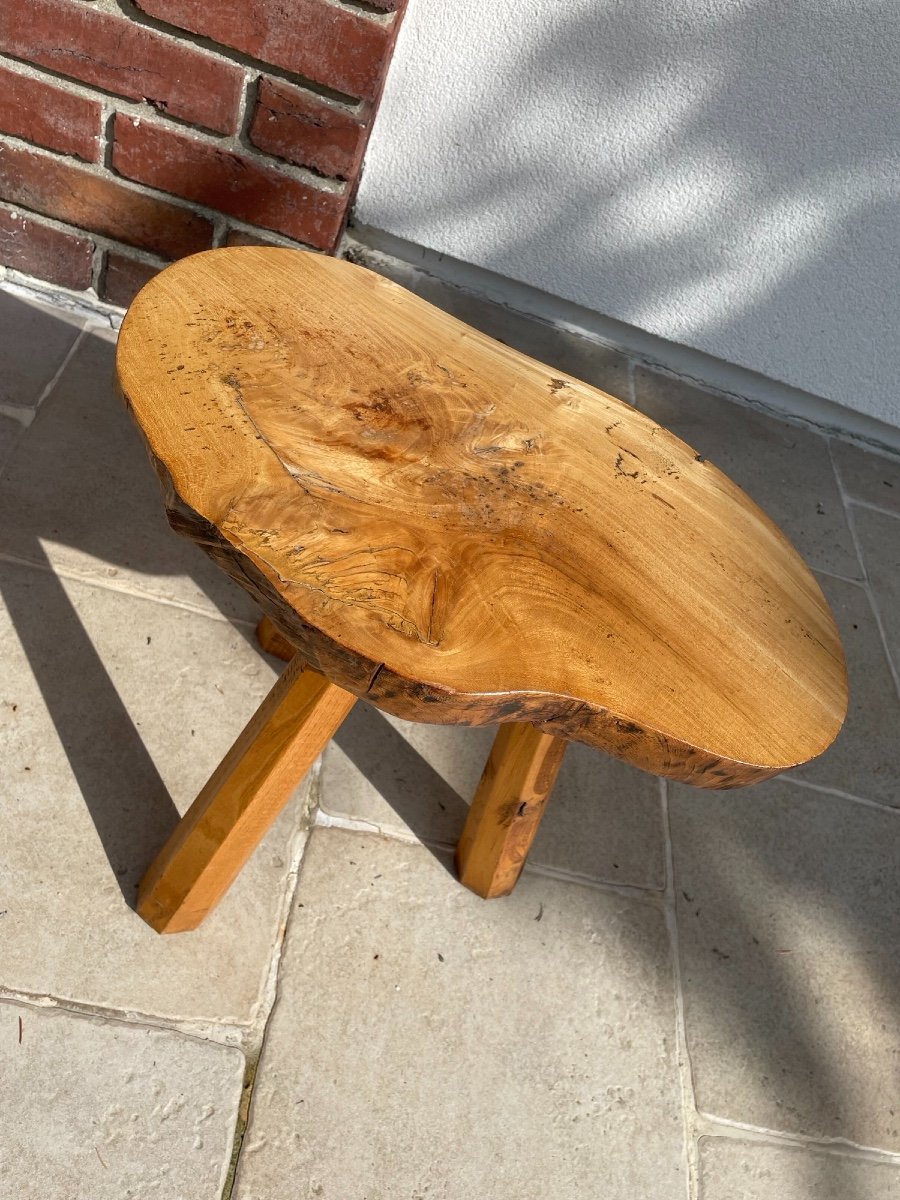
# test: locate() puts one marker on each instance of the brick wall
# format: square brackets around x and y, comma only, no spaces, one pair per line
[132,134]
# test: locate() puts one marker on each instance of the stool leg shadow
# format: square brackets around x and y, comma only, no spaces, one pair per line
[126,797]
[417,793]
[242,798]
[404,779]
[493,836]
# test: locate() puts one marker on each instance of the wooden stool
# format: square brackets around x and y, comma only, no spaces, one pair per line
[458,534]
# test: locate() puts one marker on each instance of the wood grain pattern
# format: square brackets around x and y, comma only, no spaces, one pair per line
[243,797]
[273,640]
[507,809]
[461,534]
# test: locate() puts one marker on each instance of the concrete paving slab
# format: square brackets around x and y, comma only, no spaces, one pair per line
[108,1110]
[10,432]
[35,341]
[872,478]
[879,543]
[604,820]
[864,759]
[80,492]
[790,959]
[426,1043]
[113,713]
[734,1170]
[786,469]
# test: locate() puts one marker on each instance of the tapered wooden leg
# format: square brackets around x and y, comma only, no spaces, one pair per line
[273,640]
[507,809]
[244,795]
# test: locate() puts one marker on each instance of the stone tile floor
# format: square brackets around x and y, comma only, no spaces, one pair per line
[690,994]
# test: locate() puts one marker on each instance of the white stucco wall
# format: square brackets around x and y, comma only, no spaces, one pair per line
[723,173]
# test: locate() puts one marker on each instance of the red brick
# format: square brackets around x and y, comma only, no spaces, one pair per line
[228,182]
[305,130]
[70,193]
[35,249]
[59,120]
[124,277]
[340,47]
[123,57]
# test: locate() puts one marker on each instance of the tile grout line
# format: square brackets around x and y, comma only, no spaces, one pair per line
[326,820]
[26,420]
[229,1034]
[297,852]
[870,591]
[846,502]
[879,624]
[685,1072]
[103,584]
[838,794]
[19,413]
[48,388]
[725,1127]
[860,583]
[269,997]
[885,512]
[248,1038]
[628,891]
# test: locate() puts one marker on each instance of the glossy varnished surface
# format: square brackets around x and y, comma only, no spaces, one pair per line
[462,534]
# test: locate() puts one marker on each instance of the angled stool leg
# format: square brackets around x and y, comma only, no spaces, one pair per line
[273,640]
[507,809]
[243,797]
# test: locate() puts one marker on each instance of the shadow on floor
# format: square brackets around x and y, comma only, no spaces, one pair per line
[78,493]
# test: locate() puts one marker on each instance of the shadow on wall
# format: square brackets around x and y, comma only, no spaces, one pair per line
[724,175]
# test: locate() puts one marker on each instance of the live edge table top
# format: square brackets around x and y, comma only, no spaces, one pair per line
[462,534]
